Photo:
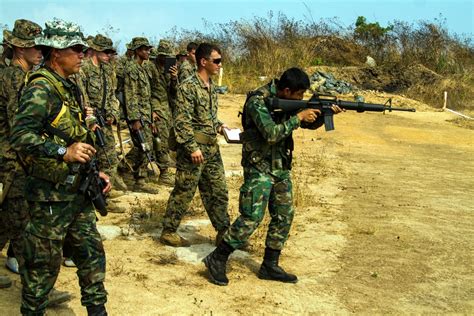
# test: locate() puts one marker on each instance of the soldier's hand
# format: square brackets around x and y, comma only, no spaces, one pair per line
[174,72]
[308,115]
[79,152]
[336,109]
[155,116]
[197,157]
[88,111]
[106,179]
[136,125]
[221,128]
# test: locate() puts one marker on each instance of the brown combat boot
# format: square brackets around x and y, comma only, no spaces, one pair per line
[166,178]
[56,297]
[142,186]
[5,282]
[173,239]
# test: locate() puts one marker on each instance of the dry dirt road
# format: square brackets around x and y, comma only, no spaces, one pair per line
[384,224]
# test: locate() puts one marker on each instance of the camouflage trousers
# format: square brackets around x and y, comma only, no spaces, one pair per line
[162,149]
[42,252]
[137,158]
[209,177]
[14,217]
[108,166]
[258,190]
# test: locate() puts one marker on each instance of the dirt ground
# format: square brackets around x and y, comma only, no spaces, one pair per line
[384,224]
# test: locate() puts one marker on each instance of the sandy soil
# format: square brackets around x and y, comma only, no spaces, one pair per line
[383,225]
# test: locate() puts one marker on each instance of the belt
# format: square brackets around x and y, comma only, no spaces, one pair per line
[204,139]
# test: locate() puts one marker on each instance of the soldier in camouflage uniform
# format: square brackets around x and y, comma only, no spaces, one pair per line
[6,53]
[99,84]
[267,146]
[137,92]
[53,143]
[163,93]
[188,67]
[199,162]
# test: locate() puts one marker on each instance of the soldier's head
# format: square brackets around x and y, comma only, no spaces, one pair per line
[293,84]
[64,46]
[7,51]
[181,56]
[191,48]
[208,58]
[165,49]
[141,48]
[22,41]
[102,48]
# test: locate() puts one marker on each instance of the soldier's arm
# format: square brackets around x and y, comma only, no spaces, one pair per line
[131,94]
[12,89]
[183,119]
[271,131]
[28,127]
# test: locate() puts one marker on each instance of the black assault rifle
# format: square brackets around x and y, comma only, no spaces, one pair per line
[324,104]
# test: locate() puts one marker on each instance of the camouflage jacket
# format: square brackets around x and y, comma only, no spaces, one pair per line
[186,69]
[92,78]
[163,91]
[196,111]
[11,80]
[267,142]
[41,105]
[137,91]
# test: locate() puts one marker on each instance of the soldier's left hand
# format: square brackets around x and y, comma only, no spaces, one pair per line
[106,179]
[174,72]
[221,129]
[88,111]
[336,109]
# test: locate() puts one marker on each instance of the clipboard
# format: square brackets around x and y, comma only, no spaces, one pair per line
[232,135]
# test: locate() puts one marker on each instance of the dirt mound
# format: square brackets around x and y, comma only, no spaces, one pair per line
[335,50]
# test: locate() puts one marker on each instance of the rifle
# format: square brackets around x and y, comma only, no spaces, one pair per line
[137,136]
[324,104]
[99,134]
[92,185]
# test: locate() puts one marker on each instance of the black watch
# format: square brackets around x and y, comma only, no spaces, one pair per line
[61,152]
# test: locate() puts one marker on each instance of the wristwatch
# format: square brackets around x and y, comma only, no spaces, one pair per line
[61,152]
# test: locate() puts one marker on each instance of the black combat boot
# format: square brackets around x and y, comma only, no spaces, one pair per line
[96,310]
[216,263]
[270,270]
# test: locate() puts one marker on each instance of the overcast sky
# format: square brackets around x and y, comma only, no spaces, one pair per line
[154,18]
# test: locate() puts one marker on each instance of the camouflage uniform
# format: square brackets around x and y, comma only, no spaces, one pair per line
[95,79]
[15,208]
[164,90]
[55,207]
[266,159]
[196,126]
[138,104]
[186,69]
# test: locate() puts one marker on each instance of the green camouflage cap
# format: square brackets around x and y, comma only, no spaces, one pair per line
[153,53]
[23,35]
[165,48]
[101,43]
[60,34]
[138,42]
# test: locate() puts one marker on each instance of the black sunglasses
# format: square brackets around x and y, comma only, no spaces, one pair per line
[78,49]
[216,61]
